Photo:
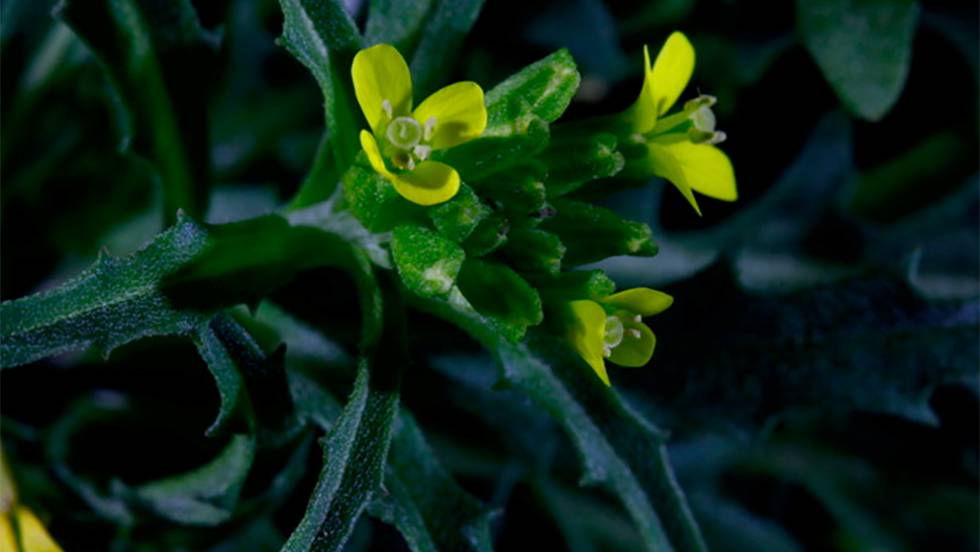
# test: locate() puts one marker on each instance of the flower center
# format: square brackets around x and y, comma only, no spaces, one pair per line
[404,133]
[613,336]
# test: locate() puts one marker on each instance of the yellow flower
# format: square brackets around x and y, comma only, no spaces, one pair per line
[33,536]
[681,146]
[402,140]
[613,329]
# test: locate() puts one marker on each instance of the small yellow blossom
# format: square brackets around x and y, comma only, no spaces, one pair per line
[613,328]
[680,146]
[402,140]
[33,536]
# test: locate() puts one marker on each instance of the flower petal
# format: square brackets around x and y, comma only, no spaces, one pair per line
[587,333]
[637,345]
[671,71]
[33,535]
[429,183]
[373,153]
[380,73]
[642,301]
[459,112]
[689,166]
[643,113]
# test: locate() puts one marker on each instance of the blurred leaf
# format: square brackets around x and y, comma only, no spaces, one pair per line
[206,495]
[322,36]
[423,501]
[399,22]
[440,43]
[541,90]
[868,343]
[160,60]
[863,48]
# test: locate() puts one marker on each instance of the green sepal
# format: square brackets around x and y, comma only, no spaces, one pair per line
[488,236]
[576,159]
[500,294]
[593,233]
[374,201]
[573,285]
[483,157]
[543,90]
[426,261]
[530,250]
[457,218]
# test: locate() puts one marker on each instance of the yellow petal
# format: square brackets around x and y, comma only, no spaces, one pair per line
[642,301]
[8,540]
[370,146]
[587,333]
[429,183]
[643,113]
[380,73]
[459,113]
[702,167]
[671,71]
[637,345]
[33,535]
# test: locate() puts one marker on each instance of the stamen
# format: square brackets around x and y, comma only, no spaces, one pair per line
[430,129]
[386,107]
[422,152]
[635,334]
[718,137]
[637,318]
[606,351]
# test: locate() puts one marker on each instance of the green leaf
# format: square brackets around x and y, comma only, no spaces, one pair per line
[457,218]
[443,35]
[868,343]
[543,90]
[374,201]
[206,495]
[322,36]
[519,191]
[592,233]
[488,236]
[398,22]
[427,506]
[863,48]
[426,261]
[160,60]
[498,293]
[354,453]
[116,301]
[530,250]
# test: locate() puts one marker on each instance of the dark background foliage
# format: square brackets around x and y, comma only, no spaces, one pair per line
[818,371]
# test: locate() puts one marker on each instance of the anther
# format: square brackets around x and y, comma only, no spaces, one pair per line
[635,334]
[386,107]
[422,152]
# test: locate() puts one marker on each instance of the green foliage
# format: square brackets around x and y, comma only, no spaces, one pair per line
[863,48]
[823,333]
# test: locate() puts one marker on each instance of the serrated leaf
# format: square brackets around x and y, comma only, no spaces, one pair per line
[440,43]
[423,501]
[116,301]
[354,454]
[322,36]
[426,261]
[158,57]
[591,233]
[543,90]
[863,48]
[869,343]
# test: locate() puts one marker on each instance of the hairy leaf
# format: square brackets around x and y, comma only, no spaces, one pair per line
[863,48]
[542,89]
